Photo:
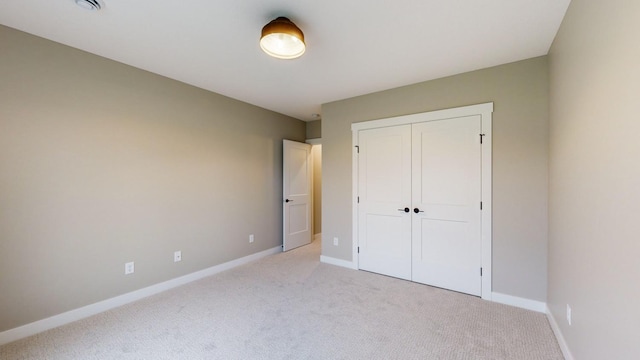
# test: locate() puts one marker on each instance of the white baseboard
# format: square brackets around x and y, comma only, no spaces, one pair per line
[317,237]
[523,303]
[338,262]
[93,309]
[556,330]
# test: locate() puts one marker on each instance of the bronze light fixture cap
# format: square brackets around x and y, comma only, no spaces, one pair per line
[282,39]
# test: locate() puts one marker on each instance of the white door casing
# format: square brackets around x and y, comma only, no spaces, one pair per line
[451,211]
[296,188]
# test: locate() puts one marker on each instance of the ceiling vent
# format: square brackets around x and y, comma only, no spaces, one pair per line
[94,5]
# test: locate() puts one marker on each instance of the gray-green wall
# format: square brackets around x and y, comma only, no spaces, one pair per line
[520,160]
[316,152]
[102,163]
[314,129]
[594,192]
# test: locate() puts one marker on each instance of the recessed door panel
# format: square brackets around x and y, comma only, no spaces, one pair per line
[386,248]
[299,172]
[384,168]
[298,218]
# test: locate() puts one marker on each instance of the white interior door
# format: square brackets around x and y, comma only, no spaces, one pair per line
[384,173]
[296,183]
[446,191]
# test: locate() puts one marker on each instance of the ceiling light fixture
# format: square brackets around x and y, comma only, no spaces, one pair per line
[90,4]
[282,39]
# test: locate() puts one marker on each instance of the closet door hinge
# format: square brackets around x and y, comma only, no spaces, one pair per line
[481,136]
[480,271]
[480,205]
[358,199]
[358,249]
[357,149]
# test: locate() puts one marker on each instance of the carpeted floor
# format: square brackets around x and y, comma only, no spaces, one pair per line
[290,306]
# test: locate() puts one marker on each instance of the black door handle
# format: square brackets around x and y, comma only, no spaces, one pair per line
[405,210]
[416,210]
[288,200]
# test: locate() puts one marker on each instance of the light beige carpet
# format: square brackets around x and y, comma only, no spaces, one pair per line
[290,306]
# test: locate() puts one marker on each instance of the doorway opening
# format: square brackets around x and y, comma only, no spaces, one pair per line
[316,159]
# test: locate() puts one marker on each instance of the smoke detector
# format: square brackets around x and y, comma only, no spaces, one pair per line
[93,5]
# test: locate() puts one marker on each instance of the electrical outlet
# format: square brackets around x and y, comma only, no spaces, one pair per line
[177,256]
[569,314]
[129,268]
[251,238]
[335,241]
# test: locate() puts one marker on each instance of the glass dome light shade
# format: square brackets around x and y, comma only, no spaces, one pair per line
[282,39]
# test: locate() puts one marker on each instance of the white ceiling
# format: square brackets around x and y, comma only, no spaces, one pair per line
[354,47]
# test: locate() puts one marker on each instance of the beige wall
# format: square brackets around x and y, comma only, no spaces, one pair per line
[101,163]
[314,129]
[520,151]
[316,150]
[594,241]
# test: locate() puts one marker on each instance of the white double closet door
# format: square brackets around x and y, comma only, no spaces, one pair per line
[419,199]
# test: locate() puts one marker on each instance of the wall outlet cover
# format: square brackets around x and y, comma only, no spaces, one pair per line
[129,268]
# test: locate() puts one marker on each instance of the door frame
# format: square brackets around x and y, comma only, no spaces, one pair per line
[485,111]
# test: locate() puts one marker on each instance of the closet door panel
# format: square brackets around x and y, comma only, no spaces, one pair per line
[384,184]
[446,190]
